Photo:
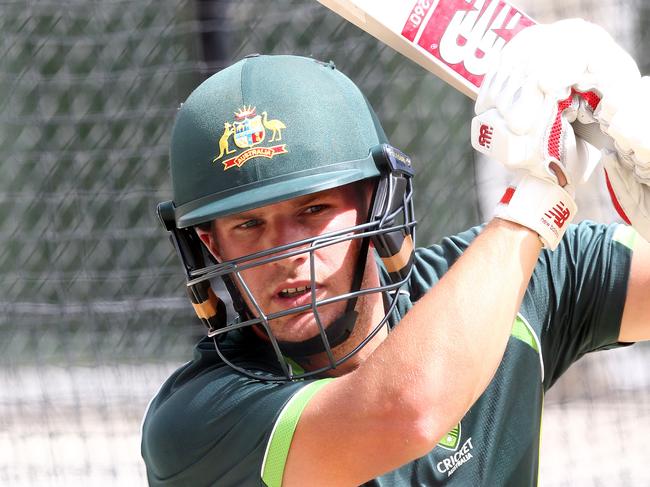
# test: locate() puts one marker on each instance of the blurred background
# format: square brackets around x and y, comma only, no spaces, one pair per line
[93,311]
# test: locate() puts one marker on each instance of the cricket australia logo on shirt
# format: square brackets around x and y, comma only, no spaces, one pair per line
[248,130]
[463,454]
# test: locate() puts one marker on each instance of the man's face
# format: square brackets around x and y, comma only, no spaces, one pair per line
[286,283]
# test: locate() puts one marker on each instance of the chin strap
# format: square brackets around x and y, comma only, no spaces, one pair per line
[341,329]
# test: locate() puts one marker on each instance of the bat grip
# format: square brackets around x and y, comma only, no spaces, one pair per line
[592,134]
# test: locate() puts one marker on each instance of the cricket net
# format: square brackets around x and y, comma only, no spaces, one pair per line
[94,315]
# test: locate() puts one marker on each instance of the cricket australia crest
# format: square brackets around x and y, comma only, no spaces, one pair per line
[248,131]
[451,462]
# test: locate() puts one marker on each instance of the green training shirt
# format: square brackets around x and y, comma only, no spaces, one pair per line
[209,425]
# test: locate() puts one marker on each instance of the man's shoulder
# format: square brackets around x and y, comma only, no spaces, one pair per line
[208,368]
[589,246]
[579,243]
[190,422]
[441,255]
[452,245]
[432,262]
[185,382]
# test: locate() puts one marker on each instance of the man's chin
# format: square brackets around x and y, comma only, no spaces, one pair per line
[300,328]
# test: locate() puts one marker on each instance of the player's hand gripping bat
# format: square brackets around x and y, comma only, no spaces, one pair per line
[456,40]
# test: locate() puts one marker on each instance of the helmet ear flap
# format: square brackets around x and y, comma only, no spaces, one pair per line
[210,309]
[393,199]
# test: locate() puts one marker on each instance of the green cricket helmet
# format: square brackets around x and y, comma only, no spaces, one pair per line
[268,129]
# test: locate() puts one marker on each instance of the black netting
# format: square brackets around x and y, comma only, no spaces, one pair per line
[94,314]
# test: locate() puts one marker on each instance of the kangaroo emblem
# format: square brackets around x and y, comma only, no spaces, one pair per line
[223,141]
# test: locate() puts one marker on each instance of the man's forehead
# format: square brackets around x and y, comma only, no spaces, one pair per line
[338,192]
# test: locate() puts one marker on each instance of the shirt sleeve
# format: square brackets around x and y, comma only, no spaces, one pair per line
[578,293]
[221,428]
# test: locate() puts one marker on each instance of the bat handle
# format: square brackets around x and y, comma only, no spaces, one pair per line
[591,133]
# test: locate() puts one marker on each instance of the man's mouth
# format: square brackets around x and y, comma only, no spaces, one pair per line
[294,291]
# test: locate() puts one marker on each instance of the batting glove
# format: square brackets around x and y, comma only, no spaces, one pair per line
[623,116]
[548,77]
[524,114]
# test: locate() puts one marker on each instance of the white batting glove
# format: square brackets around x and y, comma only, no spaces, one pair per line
[624,116]
[524,111]
[536,201]
[548,77]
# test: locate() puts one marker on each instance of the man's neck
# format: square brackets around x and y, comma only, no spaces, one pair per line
[371,312]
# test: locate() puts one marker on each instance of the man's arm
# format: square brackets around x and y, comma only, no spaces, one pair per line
[424,377]
[635,324]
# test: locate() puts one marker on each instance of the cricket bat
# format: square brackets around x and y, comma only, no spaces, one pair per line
[456,40]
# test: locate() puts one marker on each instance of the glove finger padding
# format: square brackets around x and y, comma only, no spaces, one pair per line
[552,62]
[570,53]
[630,196]
[531,130]
[624,116]
[540,85]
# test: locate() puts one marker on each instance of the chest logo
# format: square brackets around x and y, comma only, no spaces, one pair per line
[451,440]
[462,454]
[249,132]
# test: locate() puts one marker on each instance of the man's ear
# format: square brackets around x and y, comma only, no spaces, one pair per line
[208,239]
[365,191]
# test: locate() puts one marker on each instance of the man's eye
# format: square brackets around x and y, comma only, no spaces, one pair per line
[249,224]
[315,209]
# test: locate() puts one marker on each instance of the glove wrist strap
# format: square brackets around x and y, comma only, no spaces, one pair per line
[538,204]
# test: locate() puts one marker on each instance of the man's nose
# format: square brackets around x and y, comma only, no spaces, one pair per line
[281,231]
[284,231]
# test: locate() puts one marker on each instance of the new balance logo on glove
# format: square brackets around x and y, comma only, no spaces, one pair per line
[560,214]
[485,136]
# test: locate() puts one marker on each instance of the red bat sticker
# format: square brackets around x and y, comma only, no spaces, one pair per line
[464,34]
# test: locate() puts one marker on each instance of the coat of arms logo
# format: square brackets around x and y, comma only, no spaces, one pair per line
[248,130]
